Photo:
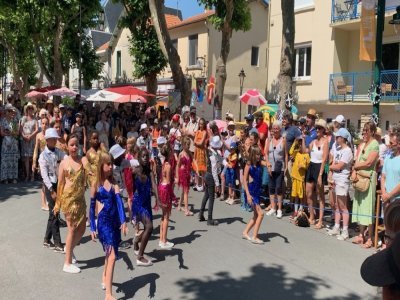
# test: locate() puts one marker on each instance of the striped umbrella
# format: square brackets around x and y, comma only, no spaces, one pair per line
[253,97]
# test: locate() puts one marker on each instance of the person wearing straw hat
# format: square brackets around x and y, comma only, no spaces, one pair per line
[310,125]
[318,150]
[9,129]
[28,130]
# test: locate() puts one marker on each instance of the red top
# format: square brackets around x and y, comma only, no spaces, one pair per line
[262,128]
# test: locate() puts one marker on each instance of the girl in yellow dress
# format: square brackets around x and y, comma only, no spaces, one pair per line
[71,199]
[93,155]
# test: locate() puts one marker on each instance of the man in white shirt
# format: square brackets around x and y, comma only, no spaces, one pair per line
[144,140]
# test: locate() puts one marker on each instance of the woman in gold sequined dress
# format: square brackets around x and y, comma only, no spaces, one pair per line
[92,156]
[71,199]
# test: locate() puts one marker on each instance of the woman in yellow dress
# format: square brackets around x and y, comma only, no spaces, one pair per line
[199,159]
[71,199]
[93,155]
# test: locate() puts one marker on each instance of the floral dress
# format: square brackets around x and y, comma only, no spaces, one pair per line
[28,127]
[9,151]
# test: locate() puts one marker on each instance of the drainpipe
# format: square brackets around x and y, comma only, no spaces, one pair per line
[268,45]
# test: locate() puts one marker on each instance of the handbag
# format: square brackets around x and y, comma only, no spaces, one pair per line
[302,219]
[363,181]
[363,178]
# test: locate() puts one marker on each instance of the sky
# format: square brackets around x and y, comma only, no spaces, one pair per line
[188,7]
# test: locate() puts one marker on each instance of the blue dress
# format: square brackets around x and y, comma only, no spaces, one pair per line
[109,220]
[255,187]
[230,177]
[141,206]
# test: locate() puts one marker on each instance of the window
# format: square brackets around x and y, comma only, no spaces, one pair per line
[193,47]
[175,44]
[303,63]
[299,4]
[254,56]
[118,64]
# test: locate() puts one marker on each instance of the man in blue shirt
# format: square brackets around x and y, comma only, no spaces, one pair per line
[310,122]
[390,181]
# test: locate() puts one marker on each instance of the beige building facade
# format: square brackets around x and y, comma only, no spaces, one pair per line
[329,75]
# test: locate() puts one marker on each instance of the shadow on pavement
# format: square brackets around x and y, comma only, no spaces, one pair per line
[130,287]
[18,190]
[98,262]
[264,282]
[266,237]
[188,239]
[231,220]
[160,255]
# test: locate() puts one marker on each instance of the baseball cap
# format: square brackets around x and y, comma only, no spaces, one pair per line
[176,118]
[61,106]
[340,119]
[343,132]
[116,151]
[249,117]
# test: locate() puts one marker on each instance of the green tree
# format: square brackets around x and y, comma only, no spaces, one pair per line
[230,15]
[53,29]
[149,61]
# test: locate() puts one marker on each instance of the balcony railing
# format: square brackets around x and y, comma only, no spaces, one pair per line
[345,10]
[353,87]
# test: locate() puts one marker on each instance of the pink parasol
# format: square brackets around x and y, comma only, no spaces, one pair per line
[35,95]
[253,97]
[220,124]
[62,92]
[129,90]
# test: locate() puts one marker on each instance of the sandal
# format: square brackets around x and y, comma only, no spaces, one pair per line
[318,226]
[368,244]
[246,237]
[188,213]
[358,240]
[312,222]
[256,241]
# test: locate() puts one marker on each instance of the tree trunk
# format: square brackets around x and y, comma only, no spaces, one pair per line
[41,60]
[58,70]
[160,25]
[152,86]
[287,51]
[221,73]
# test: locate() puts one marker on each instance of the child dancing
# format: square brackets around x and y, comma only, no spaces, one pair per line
[183,174]
[111,218]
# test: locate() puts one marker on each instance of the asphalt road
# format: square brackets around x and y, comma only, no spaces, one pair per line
[206,263]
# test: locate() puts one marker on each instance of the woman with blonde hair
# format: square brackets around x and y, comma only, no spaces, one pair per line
[366,159]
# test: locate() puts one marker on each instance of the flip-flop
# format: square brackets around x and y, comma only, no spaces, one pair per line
[368,244]
[318,226]
[257,241]
[358,240]
[188,213]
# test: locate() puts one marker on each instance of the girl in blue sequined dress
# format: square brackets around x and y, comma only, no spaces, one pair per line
[110,219]
[141,205]
[252,181]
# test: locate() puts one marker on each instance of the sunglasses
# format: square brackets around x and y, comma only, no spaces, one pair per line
[319,128]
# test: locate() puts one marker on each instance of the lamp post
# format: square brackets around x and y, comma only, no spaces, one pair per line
[380,27]
[241,75]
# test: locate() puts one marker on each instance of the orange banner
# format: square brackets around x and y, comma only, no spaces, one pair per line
[368,31]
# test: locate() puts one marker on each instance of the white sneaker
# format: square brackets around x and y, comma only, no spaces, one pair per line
[144,264]
[271,212]
[200,188]
[279,214]
[335,231]
[71,269]
[74,261]
[103,286]
[344,236]
[166,245]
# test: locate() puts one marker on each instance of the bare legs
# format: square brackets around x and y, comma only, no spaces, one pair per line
[164,225]
[185,198]
[73,237]
[143,239]
[254,222]
[28,168]
[310,201]
[109,273]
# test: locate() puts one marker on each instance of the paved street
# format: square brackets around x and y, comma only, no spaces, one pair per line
[206,263]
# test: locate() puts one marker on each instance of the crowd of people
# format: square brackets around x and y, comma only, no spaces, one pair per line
[130,153]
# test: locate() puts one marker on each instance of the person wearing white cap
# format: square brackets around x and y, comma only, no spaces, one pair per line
[49,161]
[71,199]
[211,178]
[340,169]
[9,148]
[144,140]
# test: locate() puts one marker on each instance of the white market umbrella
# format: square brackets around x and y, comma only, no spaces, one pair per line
[104,96]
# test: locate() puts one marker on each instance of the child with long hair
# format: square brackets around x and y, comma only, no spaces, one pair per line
[252,181]
[111,218]
[141,206]
[92,156]
[183,174]
[230,173]
[71,199]
[165,194]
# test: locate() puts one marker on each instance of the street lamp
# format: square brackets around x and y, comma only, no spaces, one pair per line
[241,75]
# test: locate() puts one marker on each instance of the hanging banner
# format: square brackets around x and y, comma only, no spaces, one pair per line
[368,31]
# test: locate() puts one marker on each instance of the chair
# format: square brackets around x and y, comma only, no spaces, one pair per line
[378,227]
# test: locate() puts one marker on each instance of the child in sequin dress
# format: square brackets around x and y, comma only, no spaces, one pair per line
[111,218]
[252,181]
[165,194]
[183,174]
